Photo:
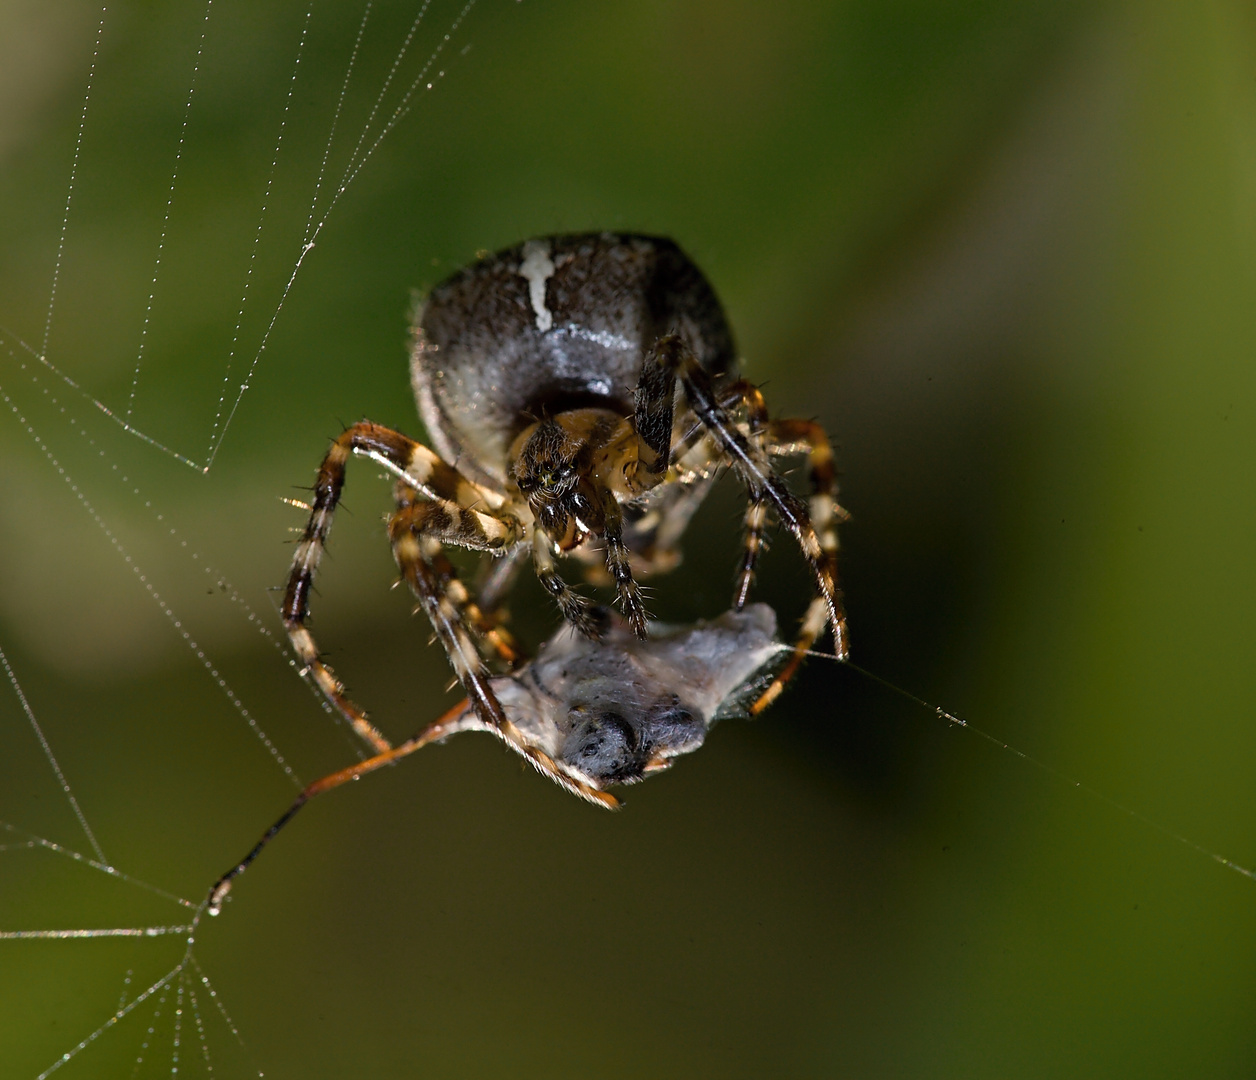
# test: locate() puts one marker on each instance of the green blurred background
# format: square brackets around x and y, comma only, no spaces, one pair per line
[1004,250]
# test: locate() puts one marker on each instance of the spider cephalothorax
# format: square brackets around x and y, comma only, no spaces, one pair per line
[580,393]
[554,469]
[575,471]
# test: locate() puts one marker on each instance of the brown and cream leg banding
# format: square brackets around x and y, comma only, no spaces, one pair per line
[808,437]
[487,628]
[422,468]
[757,511]
[756,470]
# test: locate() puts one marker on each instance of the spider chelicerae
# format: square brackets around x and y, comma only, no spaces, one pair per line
[580,393]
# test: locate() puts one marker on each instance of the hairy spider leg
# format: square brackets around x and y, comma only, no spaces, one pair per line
[578,610]
[730,398]
[655,407]
[652,421]
[487,627]
[456,638]
[756,518]
[744,393]
[483,610]
[739,394]
[693,459]
[422,469]
[435,522]
[755,467]
[636,465]
[786,437]
[626,587]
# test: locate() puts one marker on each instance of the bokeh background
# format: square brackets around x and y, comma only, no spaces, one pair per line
[1003,250]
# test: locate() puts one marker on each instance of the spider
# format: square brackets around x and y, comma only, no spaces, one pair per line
[610,710]
[580,392]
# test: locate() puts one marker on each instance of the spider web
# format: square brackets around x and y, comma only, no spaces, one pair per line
[88,442]
[125,432]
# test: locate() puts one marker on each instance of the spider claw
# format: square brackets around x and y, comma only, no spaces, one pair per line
[589,619]
[634,611]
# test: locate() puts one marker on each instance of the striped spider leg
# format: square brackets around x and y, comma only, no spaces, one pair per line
[716,438]
[787,437]
[431,496]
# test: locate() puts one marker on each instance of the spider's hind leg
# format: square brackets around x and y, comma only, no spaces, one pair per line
[797,437]
[751,459]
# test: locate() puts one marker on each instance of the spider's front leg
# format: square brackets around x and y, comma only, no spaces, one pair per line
[626,587]
[421,469]
[587,618]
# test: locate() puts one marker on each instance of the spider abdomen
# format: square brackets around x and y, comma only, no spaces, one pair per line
[553,324]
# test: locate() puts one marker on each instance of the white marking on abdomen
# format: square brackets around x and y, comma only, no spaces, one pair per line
[536,269]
